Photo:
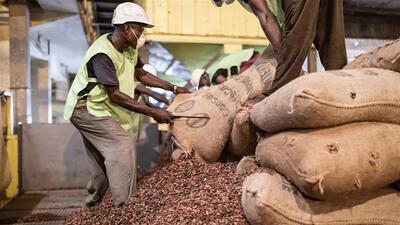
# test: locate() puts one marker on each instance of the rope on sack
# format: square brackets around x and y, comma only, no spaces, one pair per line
[304,94]
[293,99]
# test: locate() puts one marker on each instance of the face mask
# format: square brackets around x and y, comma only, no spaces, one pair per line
[140,41]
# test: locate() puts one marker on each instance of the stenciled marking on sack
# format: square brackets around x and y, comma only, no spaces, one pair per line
[265,70]
[370,72]
[230,121]
[198,122]
[231,94]
[185,106]
[218,103]
[246,82]
[341,73]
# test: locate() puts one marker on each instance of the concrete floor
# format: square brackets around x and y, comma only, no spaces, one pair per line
[59,203]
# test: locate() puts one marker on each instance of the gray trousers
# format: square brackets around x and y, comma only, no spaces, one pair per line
[111,153]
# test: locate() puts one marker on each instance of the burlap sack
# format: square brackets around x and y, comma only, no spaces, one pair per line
[387,56]
[208,136]
[271,200]
[335,163]
[331,98]
[243,138]
[5,173]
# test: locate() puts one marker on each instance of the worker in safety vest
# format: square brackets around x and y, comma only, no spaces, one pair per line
[292,26]
[101,104]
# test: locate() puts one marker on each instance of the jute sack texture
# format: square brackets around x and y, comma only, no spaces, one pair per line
[243,138]
[218,106]
[335,163]
[331,98]
[386,56]
[269,199]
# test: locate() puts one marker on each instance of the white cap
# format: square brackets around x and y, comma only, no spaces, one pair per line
[196,76]
[150,69]
[130,12]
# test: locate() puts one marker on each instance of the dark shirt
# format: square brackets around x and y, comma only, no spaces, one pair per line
[102,68]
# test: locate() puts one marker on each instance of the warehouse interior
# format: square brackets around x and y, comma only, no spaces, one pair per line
[43,43]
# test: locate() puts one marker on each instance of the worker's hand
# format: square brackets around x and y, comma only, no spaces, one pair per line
[182,90]
[162,116]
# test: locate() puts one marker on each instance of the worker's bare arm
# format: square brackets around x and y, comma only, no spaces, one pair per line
[153,81]
[144,90]
[268,22]
[123,100]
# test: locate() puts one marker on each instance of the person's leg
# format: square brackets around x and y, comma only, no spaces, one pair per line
[98,184]
[298,34]
[115,145]
[330,35]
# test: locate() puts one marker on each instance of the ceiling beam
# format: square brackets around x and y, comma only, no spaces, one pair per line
[365,25]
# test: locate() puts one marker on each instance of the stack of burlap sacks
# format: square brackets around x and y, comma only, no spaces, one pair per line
[335,139]
[335,136]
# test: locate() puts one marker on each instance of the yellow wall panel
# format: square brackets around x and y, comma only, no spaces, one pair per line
[188,16]
[149,5]
[161,16]
[200,20]
[248,29]
[214,21]
[239,22]
[201,17]
[175,16]
[227,21]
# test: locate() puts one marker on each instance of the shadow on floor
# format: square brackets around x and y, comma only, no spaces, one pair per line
[42,207]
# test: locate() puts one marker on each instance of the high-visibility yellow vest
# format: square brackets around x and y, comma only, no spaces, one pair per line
[98,102]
